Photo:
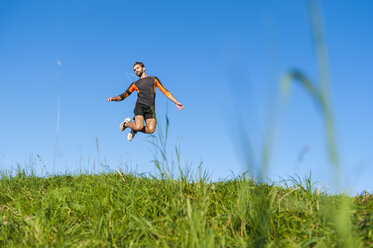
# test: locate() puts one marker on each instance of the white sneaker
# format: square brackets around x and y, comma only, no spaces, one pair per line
[122,126]
[131,135]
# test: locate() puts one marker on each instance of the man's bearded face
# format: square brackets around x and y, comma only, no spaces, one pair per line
[139,70]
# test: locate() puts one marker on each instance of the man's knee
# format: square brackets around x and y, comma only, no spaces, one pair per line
[150,129]
[138,127]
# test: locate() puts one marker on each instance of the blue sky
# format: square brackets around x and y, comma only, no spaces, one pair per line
[222,60]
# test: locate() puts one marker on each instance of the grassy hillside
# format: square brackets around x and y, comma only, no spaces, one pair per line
[116,210]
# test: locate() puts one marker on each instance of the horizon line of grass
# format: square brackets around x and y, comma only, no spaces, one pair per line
[116,209]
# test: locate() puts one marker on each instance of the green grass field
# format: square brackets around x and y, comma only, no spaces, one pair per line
[118,210]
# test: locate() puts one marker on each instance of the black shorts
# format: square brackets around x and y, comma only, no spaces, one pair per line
[145,111]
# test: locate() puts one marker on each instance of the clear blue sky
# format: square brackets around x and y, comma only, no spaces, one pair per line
[221,59]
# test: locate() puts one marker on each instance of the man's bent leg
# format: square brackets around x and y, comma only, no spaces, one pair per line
[138,124]
[150,126]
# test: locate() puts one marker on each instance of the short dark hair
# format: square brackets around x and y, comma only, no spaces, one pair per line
[139,63]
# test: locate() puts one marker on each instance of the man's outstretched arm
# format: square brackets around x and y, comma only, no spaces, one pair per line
[179,106]
[122,96]
[116,99]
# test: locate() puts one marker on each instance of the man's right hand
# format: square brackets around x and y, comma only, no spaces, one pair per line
[110,99]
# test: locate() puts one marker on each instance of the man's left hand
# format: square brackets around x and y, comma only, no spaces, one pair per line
[179,106]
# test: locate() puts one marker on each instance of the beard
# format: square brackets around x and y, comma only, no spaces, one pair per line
[139,74]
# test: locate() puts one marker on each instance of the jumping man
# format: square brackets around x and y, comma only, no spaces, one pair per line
[144,108]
